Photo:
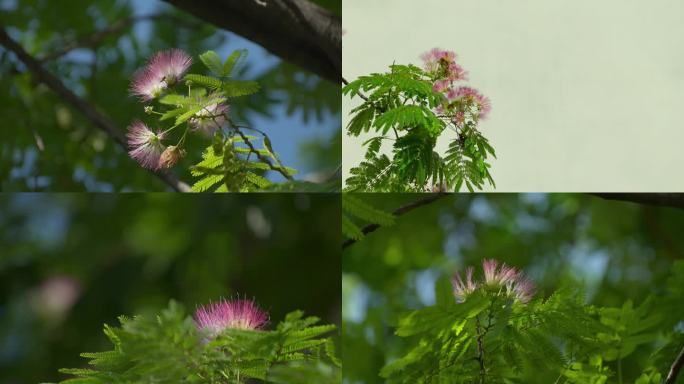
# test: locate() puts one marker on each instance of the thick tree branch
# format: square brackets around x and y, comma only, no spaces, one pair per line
[87,109]
[674,370]
[673,200]
[429,199]
[298,31]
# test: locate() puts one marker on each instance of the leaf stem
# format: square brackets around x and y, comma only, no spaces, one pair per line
[674,369]
[277,168]
[182,139]
[480,349]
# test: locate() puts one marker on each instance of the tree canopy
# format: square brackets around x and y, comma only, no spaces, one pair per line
[623,257]
[67,103]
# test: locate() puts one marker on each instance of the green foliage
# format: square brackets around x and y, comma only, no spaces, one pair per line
[490,340]
[51,146]
[626,327]
[229,167]
[355,208]
[149,249]
[169,349]
[401,106]
[225,166]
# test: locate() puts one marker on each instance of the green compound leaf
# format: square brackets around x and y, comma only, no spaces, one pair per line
[236,88]
[212,61]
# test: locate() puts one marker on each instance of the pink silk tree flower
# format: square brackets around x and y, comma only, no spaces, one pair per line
[523,289]
[473,98]
[147,85]
[214,318]
[144,145]
[444,64]
[441,85]
[210,119]
[163,70]
[458,118]
[507,280]
[463,289]
[456,73]
[170,64]
[434,57]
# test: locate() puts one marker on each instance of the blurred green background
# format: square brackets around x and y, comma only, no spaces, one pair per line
[48,146]
[618,250]
[69,263]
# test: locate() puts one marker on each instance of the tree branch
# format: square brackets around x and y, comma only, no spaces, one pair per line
[298,31]
[87,109]
[674,370]
[429,199]
[94,39]
[673,200]
[261,157]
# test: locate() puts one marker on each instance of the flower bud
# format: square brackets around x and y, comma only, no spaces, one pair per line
[149,109]
[171,156]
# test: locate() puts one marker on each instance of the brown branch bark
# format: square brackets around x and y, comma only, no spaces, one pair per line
[673,200]
[674,369]
[87,109]
[298,31]
[429,199]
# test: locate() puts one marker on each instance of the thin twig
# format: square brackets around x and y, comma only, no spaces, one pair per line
[95,38]
[261,157]
[87,109]
[397,212]
[480,350]
[674,369]
[359,93]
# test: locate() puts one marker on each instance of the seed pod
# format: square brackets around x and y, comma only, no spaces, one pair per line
[171,156]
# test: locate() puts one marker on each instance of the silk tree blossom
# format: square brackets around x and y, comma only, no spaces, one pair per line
[216,317]
[471,98]
[441,85]
[144,145]
[210,119]
[443,64]
[507,280]
[463,289]
[163,70]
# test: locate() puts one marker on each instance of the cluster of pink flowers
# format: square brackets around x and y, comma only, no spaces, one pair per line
[462,102]
[507,279]
[164,70]
[214,318]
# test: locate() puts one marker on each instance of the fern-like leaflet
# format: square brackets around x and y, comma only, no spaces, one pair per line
[169,349]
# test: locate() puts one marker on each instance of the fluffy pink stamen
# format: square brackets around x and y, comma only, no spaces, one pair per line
[210,119]
[510,281]
[144,145]
[162,71]
[214,318]
[471,95]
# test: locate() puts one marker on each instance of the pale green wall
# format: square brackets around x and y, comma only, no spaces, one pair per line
[587,95]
